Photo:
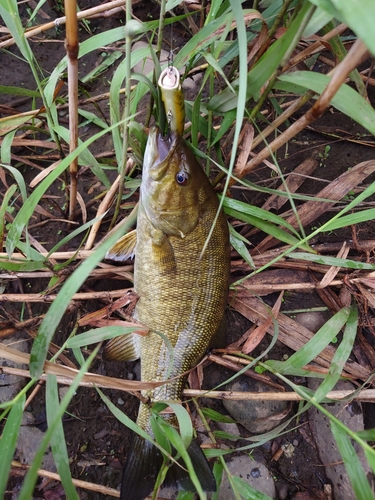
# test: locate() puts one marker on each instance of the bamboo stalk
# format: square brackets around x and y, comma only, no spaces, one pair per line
[72,48]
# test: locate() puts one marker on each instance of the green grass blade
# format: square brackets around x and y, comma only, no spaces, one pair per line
[352,464]
[32,475]
[238,243]
[357,14]
[75,233]
[247,491]
[184,423]
[96,335]
[4,205]
[8,442]
[264,69]
[9,13]
[6,146]
[58,444]
[179,445]
[346,99]
[23,216]
[267,227]
[370,458]
[351,219]
[266,215]
[124,419]
[340,357]
[58,307]
[19,179]
[314,346]
[85,156]
[331,261]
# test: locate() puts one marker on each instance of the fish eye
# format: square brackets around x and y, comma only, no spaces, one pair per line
[181,178]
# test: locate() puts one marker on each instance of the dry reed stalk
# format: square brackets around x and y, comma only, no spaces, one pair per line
[121,271]
[77,482]
[72,48]
[84,14]
[339,75]
[91,380]
[40,297]
[366,395]
[103,207]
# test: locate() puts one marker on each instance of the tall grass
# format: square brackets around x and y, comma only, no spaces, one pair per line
[244,65]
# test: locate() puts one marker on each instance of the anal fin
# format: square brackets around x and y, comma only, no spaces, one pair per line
[123,348]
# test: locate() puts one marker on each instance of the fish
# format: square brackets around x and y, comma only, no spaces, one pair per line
[181,272]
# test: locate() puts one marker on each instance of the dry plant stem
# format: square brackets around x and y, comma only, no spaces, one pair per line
[353,58]
[367,395]
[39,297]
[72,47]
[121,271]
[77,482]
[84,14]
[104,205]
[297,104]
[66,374]
[315,47]
[92,380]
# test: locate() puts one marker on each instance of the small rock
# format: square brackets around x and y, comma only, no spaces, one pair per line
[62,391]
[11,384]
[29,439]
[253,472]
[350,414]
[282,490]
[229,428]
[312,320]
[255,415]
[120,401]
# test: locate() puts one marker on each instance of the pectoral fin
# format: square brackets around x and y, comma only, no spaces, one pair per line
[124,249]
[123,348]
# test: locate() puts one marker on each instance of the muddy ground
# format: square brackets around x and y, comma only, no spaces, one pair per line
[97,442]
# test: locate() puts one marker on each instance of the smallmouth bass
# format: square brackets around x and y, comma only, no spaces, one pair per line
[182,294]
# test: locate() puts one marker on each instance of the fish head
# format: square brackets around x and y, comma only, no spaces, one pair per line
[171,182]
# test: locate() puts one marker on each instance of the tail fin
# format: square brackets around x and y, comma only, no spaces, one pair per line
[143,465]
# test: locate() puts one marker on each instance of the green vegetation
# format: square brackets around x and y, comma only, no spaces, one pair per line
[250,94]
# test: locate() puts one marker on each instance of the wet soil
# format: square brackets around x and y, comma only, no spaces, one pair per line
[97,441]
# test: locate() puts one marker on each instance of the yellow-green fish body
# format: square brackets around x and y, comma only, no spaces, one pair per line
[182,289]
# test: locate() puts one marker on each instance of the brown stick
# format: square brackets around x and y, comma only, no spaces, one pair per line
[38,297]
[365,395]
[120,385]
[72,47]
[77,482]
[84,14]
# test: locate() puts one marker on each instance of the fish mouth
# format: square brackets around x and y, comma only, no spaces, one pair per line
[159,151]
